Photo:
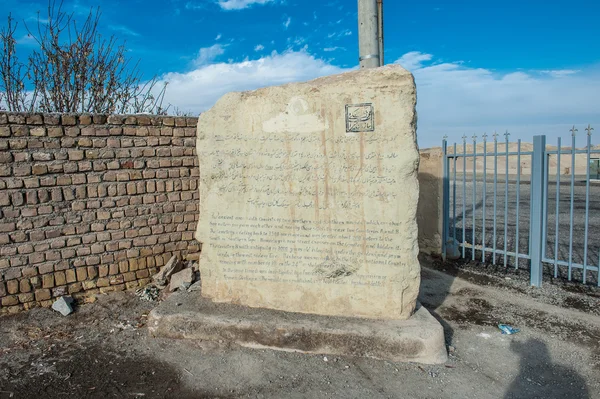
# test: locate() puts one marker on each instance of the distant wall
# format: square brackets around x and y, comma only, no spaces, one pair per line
[92,203]
[429,210]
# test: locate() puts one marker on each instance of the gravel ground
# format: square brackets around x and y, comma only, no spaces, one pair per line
[104,350]
[579,205]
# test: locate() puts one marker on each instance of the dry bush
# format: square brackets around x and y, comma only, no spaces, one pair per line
[74,69]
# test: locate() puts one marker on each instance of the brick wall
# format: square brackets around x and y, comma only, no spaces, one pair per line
[92,203]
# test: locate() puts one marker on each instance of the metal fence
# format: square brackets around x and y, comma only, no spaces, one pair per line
[525,215]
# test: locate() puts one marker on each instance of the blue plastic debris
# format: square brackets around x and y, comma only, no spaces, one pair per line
[508,330]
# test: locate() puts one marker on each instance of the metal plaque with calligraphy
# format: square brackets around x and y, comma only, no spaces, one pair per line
[359,118]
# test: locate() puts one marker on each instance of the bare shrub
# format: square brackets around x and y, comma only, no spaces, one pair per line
[74,69]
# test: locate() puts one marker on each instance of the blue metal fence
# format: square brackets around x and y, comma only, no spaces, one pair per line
[512,225]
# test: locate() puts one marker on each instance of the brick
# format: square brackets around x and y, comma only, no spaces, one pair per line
[4,199]
[70,276]
[85,119]
[130,120]
[18,131]
[81,273]
[92,272]
[103,282]
[103,271]
[29,271]
[12,287]
[74,288]
[88,284]
[45,210]
[25,249]
[34,119]
[36,282]
[75,155]
[39,169]
[142,273]
[43,294]
[84,142]
[26,297]
[68,120]
[5,157]
[115,280]
[47,267]
[60,278]
[99,119]
[124,266]
[24,285]
[10,300]
[60,291]
[113,269]
[7,227]
[38,131]
[56,131]
[4,131]
[51,119]
[21,170]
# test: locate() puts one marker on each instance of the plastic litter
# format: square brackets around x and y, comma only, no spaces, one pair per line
[148,293]
[508,330]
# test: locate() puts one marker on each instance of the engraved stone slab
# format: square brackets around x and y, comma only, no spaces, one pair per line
[308,196]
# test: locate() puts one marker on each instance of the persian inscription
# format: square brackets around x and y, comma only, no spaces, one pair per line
[324,173]
[359,118]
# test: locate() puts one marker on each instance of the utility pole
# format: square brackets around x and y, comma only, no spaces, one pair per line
[370,33]
[380,30]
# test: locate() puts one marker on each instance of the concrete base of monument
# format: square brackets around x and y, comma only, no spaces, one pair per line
[190,316]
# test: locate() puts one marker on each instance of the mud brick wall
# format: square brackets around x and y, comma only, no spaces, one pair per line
[92,203]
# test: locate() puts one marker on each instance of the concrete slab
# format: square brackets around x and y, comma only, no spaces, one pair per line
[188,315]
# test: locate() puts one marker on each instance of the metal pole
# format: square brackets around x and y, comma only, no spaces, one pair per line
[368,43]
[380,30]
[538,160]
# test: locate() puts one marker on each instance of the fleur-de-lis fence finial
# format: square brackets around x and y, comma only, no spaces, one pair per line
[589,129]
[573,131]
[464,137]
[484,136]
[495,136]
[445,137]
[474,137]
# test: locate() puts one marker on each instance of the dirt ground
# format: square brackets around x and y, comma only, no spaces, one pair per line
[103,350]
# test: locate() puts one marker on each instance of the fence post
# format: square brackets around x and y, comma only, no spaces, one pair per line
[536,238]
[445,200]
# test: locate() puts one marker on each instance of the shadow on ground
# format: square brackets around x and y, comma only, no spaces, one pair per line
[540,378]
[94,372]
[432,294]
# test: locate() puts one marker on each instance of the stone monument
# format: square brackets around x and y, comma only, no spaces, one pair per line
[308,196]
[308,199]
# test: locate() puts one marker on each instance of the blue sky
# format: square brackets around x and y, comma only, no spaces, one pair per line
[531,67]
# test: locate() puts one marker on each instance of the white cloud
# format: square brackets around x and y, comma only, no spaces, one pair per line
[335,48]
[27,40]
[287,22]
[240,4]
[199,89]
[557,73]
[190,5]
[208,54]
[259,47]
[340,34]
[219,36]
[296,41]
[455,99]
[123,29]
